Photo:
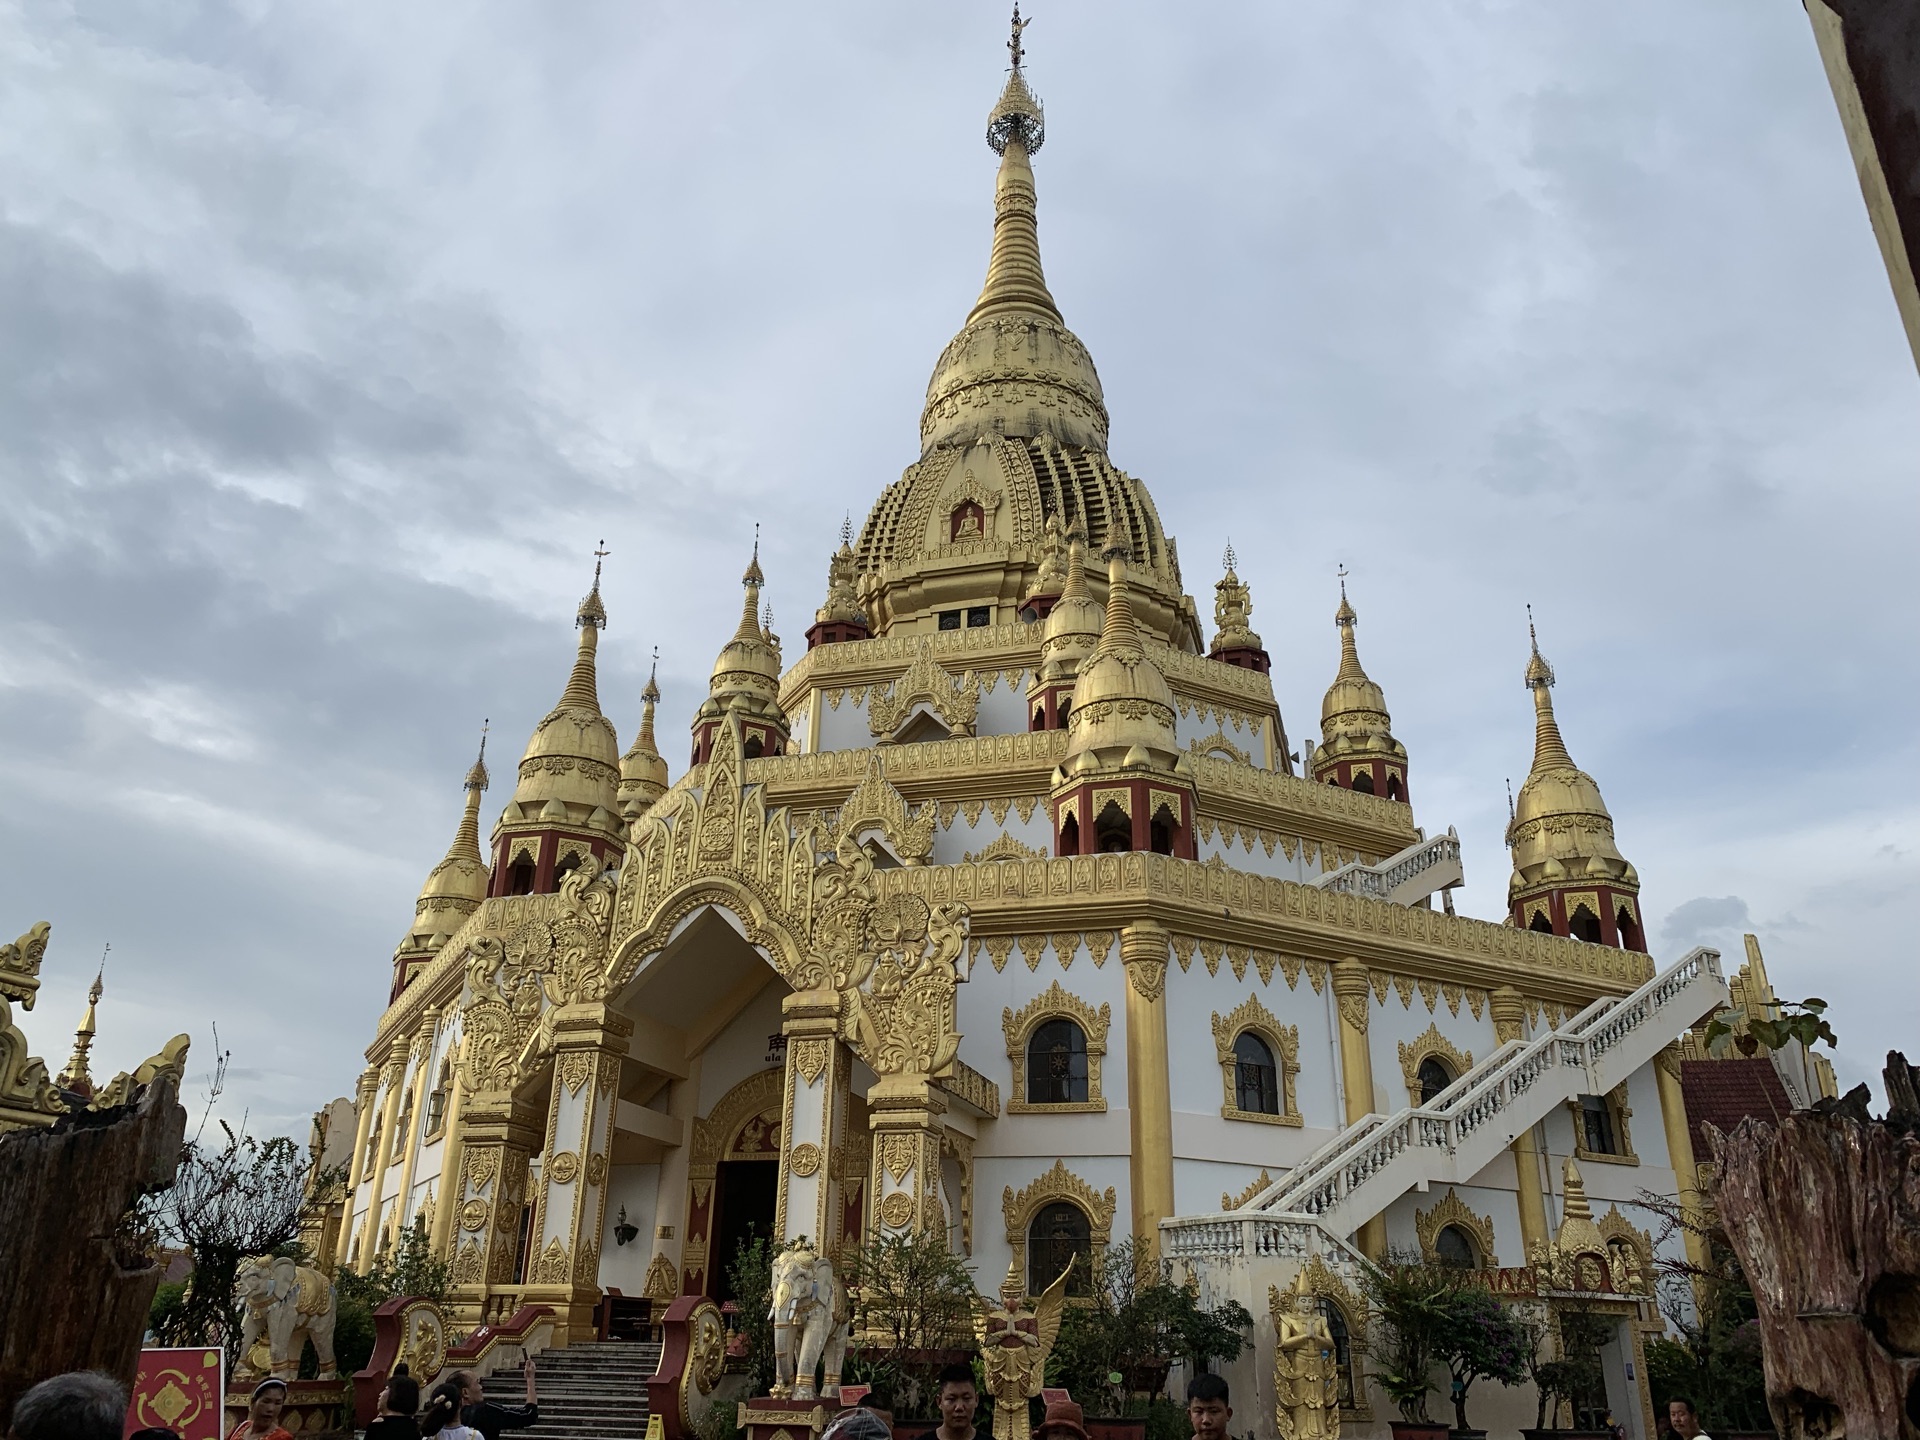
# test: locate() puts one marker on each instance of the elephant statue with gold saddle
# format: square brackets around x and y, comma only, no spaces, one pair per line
[289,1304]
[809,1322]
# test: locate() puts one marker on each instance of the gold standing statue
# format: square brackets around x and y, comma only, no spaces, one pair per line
[1306,1372]
[1014,1345]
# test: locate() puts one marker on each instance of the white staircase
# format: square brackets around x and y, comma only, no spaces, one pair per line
[1366,1167]
[1424,867]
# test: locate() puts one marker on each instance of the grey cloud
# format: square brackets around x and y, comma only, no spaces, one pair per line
[339,337]
[1705,917]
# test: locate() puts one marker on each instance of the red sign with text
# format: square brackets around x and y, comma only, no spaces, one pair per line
[180,1390]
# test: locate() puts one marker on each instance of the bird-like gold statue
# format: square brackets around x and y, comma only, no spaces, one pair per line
[1014,1345]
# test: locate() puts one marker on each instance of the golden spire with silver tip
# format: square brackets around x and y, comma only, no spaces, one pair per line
[745,679]
[643,770]
[75,1078]
[1561,833]
[455,887]
[1357,749]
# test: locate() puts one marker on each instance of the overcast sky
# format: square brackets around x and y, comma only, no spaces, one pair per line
[335,336]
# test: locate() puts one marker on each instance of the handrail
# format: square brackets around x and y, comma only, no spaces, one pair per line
[1380,881]
[1280,1219]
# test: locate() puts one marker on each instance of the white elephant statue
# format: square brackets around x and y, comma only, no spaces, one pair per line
[809,1322]
[291,1304]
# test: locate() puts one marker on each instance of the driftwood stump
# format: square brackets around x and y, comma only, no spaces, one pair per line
[75,1281]
[1823,1210]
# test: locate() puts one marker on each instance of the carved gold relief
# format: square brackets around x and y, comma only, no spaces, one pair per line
[1452,1210]
[805,1159]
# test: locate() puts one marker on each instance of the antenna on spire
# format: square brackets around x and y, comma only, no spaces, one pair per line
[846,529]
[1342,572]
[93,995]
[486,724]
[1014,47]
[1509,800]
[1228,558]
[477,776]
[600,553]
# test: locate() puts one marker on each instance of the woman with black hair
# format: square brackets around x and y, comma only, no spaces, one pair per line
[442,1417]
[398,1404]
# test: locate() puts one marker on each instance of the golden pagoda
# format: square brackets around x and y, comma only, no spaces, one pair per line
[1001,914]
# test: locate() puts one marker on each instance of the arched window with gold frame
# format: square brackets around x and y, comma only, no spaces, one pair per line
[1600,1127]
[1452,1233]
[1281,1043]
[1034,1202]
[1421,1056]
[1058,1008]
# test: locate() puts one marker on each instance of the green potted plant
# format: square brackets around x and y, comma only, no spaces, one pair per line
[1119,1340]
[912,1304]
[1478,1338]
[1408,1299]
[1572,1337]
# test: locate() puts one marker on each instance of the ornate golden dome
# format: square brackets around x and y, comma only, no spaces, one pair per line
[1014,431]
[643,771]
[1354,723]
[1561,829]
[746,674]
[571,766]
[456,886]
[1123,713]
[1073,625]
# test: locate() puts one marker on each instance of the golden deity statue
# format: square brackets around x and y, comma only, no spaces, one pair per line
[1306,1372]
[1014,1345]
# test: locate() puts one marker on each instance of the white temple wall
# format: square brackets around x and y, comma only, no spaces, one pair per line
[843,726]
[982,1003]
[1391,1024]
[1193,723]
[637,1187]
[1003,709]
[740,1049]
[1198,1090]
[1245,853]
[954,842]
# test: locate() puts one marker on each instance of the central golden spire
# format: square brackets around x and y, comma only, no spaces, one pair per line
[1016,129]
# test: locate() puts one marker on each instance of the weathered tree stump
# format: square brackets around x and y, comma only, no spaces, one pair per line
[1823,1210]
[76,1282]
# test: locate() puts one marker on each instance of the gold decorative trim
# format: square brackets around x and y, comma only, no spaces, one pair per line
[563,1168]
[1218,744]
[1019,1207]
[1621,1112]
[1452,1210]
[663,1280]
[876,802]
[1056,1002]
[1006,847]
[1430,1043]
[954,702]
[1230,1201]
[1618,1231]
[804,1159]
[1283,1040]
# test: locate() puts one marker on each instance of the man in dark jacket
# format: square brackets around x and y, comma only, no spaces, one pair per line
[493,1420]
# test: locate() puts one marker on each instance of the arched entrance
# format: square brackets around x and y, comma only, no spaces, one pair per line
[733,1180]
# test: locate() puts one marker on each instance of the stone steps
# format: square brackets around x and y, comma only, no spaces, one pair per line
[596,1391]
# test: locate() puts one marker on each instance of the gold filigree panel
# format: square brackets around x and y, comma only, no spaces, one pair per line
[1018,1208]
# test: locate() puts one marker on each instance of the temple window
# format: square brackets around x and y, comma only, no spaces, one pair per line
[1060,1237]
[949,619]
[1596,1125]
[1039,718]
[754,748]
[979,616]
[1161,831]
[520,876]
[1256,1081]
[1583,924]
[1057,1065]
[1394,790]
[1341,1334]
[1453,1246]
[1629,930]
[1540,923]
[1363,781]
[1070,835]
[437,1098]
[1113,831]
[1062,711]
[1434,1076]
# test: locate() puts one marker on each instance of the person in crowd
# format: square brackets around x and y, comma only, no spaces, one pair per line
[858,1423]
[1684,1420]
[880,1402]
[493,1420]
[1064,1421]
[442,1417]
[958,1397]
[82,1405]
[1208,1410]
[263,1414]
[399,1403]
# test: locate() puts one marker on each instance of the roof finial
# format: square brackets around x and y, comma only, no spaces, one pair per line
[846,529]
[1539,672]
[1014,47]
[1227,560]
[75,1077]
[1509,801]
[477,777]
[592,612]
[1341,571]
